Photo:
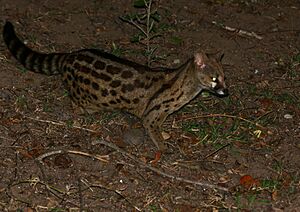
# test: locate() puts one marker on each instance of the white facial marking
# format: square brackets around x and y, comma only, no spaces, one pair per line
[213,84]
[214,79]
[220,92]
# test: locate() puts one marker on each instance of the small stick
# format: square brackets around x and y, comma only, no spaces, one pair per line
[238,31]
[59,124]
[48,154]
[214,152]
[142,164]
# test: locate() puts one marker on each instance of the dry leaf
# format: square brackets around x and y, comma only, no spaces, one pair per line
[165,135]
[25,154]
[248,182]
[275,195]
[157,158]
[28,210]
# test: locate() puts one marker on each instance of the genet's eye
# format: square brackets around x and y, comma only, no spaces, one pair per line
[214,79]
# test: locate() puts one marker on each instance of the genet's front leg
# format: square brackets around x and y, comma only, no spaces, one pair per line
[152,123]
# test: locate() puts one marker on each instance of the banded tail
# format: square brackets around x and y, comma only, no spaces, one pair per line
[48,64]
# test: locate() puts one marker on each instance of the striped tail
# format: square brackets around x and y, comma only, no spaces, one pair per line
[48,64]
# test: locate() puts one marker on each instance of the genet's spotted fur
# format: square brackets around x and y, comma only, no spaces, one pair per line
[97,80]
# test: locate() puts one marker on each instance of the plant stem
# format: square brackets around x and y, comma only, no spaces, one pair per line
[148,6]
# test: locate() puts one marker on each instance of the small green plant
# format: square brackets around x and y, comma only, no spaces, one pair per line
[205,132]
[89,119]
[154,208]
[117,51]
[145,23]
[107,116]
[21,101]
[292,66]
[66,93]
[296,60]
[293,185]
[251,199]
[69,123]
[238,201]
[270,184]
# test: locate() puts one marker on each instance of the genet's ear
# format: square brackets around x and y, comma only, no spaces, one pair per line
[199,59]
[217,56]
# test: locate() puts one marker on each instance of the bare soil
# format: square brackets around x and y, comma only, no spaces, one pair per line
[54,158]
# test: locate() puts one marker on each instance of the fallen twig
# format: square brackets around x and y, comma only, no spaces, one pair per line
[238,31]
[59,124]
[98,157]
[214,152]
[124,153]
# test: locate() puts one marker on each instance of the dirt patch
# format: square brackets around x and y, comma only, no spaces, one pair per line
[247,143]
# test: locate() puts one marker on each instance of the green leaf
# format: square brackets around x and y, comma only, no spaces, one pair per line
[155,16]
[151,26]
[116,50]
[137,38]
[140,3]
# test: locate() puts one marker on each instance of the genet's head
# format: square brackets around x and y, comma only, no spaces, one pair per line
[210,74]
